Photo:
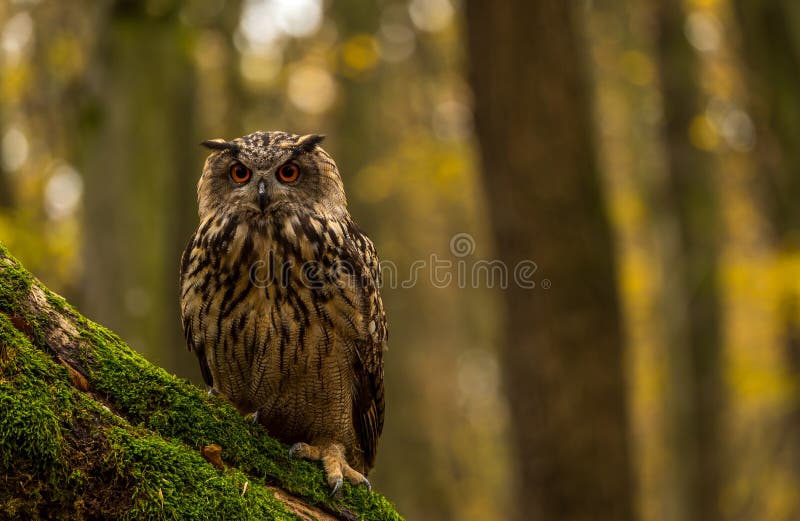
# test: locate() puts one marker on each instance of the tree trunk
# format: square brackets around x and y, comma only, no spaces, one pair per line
[691,302]
[91,430]
[771,53]
[563,344]
[6,188]
[772,56]
[142,163]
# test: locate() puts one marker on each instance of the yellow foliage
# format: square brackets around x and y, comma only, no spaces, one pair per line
[638,67]
[360,53]
[702,133]
[703,4]
[66,57]
[14,82]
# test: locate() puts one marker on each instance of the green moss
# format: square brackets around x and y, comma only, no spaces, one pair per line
[14,283]
[65,456]
[139,457]
[29,403]
[172,482]
[58,303]
[38,405]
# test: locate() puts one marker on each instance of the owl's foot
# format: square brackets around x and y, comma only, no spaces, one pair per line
[212,392]
[333,461]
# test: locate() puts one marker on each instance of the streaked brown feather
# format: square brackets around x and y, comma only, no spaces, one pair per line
[308,357]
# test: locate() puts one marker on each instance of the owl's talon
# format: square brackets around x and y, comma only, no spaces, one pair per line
[255,418]
[337,486]
[333,461]
[297,448]
[212,392]
[354,477]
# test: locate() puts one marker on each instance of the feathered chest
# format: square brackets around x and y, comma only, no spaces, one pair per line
[297,269]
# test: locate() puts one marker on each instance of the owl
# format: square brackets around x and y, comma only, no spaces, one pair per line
[280,301]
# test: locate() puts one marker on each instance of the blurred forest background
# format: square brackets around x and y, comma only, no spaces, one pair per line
[644,154]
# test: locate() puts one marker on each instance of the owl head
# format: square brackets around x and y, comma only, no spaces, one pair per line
[265,173]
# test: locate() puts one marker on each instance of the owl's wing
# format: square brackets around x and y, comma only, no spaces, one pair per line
[191,269]
[368,400]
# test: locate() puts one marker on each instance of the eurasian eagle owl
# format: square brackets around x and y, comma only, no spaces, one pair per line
[280,301]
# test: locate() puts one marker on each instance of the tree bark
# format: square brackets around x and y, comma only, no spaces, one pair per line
[771,54]
[691,303]
[91,430]
[6,187]
[563,345]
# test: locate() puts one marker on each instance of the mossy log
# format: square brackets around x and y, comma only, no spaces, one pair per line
[90,430]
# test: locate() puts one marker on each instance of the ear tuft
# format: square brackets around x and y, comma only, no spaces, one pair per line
[220,144]
[308,142]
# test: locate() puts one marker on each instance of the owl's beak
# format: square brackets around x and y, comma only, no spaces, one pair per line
[262,195]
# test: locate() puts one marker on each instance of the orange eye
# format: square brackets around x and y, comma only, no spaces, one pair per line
[240,173]
[288,173]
